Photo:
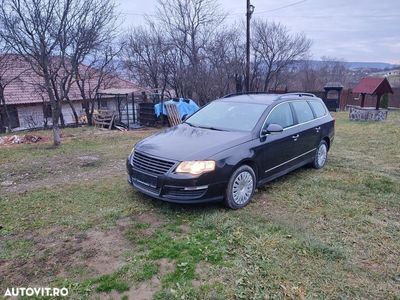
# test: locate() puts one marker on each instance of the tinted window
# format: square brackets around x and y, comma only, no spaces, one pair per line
[318,108]
[303,111]
[228,115]
[282,115]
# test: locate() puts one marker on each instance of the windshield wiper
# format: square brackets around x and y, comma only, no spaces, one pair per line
[190,124]
[204,127]
[211,128]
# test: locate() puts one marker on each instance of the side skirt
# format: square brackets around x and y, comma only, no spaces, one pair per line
[285,171]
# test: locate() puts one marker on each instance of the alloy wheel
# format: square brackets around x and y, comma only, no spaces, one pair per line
[242,187]
[322,154]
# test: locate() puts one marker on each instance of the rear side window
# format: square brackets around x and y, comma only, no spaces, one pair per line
[281,115]
[318,108]
[303,111]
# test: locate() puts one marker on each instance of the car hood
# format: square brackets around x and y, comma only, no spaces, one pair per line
[184,142]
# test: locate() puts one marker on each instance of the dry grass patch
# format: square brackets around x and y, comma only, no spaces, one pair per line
[71,220]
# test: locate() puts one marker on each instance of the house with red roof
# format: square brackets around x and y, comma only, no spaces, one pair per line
[28,104]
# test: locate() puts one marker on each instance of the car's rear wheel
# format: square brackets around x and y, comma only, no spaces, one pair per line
[241,187]
[321,155]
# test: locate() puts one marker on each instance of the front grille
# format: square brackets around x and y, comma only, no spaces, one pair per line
[151,164]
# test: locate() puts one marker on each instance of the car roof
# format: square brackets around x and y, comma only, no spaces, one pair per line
[266,99]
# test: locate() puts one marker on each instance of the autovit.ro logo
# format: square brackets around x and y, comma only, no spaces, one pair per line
[36,291]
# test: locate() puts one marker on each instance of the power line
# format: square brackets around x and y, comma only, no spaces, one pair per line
[281,7]
[287,16]
[274,9]
[337,16]
[232,14]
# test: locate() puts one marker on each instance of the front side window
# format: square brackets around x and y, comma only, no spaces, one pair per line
[281,115]
[318,108]
[303,111]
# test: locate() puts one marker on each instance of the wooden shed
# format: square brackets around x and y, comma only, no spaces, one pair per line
[373,86]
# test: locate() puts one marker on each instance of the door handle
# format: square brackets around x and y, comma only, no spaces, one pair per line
[318,128]
[295,137]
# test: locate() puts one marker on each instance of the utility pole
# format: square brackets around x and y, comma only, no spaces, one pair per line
[249,12]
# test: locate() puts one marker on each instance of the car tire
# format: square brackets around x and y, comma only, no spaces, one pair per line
[240,188]
[321,155]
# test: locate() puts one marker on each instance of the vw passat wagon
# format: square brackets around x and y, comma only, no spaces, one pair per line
[232,145]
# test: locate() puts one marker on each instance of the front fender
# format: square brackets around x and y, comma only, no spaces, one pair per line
[229,159]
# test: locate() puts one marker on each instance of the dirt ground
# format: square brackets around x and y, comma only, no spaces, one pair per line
[49,171]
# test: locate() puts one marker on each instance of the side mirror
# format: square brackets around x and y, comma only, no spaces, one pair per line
[272,129]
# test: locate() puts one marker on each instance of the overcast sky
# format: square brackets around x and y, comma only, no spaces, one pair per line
[353,30]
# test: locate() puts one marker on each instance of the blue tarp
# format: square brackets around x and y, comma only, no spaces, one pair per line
[184,107]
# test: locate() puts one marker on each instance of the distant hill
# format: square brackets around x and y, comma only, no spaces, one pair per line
[353,65]
[370,65]
[392,75]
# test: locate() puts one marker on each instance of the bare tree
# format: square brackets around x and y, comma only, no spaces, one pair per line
[147,57]
[90,54]
[35,29]
[190,25]
[314,75]
[187,49]
[99,72]
[332,70]
[308,75]
[224,64]
[51,35]
[276,48]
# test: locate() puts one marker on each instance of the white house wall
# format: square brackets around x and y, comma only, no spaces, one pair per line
[67,111]
[30,116]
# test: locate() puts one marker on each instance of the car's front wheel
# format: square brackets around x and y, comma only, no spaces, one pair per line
[241,187]
[321,155]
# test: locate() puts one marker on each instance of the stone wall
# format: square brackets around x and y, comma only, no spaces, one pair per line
[367,114]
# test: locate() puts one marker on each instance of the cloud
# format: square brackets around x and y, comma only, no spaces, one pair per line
[356,30]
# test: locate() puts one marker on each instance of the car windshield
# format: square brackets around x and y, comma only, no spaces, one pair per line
[232,116]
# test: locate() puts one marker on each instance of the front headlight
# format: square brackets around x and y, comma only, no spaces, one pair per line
[196,167]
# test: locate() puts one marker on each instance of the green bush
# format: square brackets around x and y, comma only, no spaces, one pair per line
[384,101]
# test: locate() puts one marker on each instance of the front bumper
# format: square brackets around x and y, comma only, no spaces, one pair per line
[178,188]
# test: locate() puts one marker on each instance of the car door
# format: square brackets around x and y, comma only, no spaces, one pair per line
[320,111]
[276,150]
[307,133]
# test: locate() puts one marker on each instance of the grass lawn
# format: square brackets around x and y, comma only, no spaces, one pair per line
[68,218]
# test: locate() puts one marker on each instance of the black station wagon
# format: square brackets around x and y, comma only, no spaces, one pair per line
[232,145]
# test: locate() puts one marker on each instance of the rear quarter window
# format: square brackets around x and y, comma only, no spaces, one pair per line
[303,111]
[318,108]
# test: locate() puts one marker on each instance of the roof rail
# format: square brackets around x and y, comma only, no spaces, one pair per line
[297,94]
[300,94]
[244,93]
